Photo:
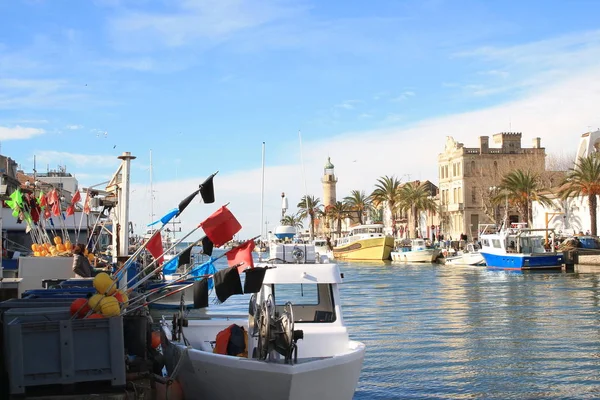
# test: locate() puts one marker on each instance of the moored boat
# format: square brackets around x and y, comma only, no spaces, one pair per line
[298,346]
[364,243]
[470,256]
[518,248]
[418,252]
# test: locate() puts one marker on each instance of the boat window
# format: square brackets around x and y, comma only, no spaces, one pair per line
[496,243]
[486,243]
[310,302]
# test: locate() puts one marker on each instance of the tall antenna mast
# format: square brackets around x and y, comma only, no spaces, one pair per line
[151,191]
[262,194]
[302,161]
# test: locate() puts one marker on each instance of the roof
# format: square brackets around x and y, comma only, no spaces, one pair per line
[328,165]
[303,273]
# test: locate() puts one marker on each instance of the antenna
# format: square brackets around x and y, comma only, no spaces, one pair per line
[151,191]
[262,194]
[302,161]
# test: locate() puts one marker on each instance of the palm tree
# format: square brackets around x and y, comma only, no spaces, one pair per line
[386,191]
[584,180]
[310,207]
[338,212]
[520,188]
[359,202]
[415,197]
[292,220]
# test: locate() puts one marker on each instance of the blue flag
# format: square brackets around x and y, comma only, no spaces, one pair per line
[205,269]
[170,266]
[166,218]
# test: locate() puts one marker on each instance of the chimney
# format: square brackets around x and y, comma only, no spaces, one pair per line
[537,143]
[484,144]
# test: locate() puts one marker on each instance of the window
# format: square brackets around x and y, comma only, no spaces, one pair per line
[496,243]
[311,302]
[473,195]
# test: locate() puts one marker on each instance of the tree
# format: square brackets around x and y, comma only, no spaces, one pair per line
[310,207]
[415,197]
[292,220]
[520,188]
[386,191]
[358,202]
[584,180]
[338,212]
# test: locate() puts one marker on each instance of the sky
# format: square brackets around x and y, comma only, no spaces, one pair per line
[198,86]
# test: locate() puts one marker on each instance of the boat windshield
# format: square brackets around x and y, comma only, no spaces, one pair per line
[311,302]
[363,230]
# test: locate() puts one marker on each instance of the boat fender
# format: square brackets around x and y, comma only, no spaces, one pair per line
[232,341]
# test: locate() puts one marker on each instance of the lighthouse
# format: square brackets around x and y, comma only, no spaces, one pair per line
[329,181]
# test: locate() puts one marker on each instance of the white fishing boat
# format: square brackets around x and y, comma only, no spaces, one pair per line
[297,344]
[418,252]
[470,256]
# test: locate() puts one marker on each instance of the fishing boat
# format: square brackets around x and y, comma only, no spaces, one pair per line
[294,343]
[470,256]
[364,243]
[519,248]
[418,252]
[322,247]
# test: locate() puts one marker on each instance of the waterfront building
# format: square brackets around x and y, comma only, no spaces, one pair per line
[469,177]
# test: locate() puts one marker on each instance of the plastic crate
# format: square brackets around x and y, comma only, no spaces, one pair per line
[64,352]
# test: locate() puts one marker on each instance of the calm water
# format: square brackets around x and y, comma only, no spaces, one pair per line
[435,331]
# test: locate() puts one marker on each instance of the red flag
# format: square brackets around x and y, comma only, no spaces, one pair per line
[155,248]
[43,201]
[86,203]
[242,254]
[56,209]
[76,197]
[70,210]
[47,213]
[221,226]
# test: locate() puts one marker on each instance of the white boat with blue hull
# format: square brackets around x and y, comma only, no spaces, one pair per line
[519,249]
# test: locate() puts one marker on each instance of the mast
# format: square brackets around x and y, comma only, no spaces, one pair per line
[151,191]
[262,194]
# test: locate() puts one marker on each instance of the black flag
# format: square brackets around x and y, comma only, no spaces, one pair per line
[186,202]
[207,246]
[207,190]
[227,283]
[185,257]
[254,279]
[201,293]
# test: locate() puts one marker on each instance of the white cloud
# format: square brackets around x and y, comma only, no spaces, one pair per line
[19,132]
[558,114]
[348,104]
[76,159]
[403,96]
[74,127]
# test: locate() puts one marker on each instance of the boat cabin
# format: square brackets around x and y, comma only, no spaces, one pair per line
[521,241]
[362,232]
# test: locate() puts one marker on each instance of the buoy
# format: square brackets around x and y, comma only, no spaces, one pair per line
[68,245]
[155,339]
[109,306]
[57,240]
[47,246]
[91,257]
[37,253]
[102,282]
[34,247]
[60,247]
[122,297]
[94,302]
[79,306]
[94,315]
[172,391]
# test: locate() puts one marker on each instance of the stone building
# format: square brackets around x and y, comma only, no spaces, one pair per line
[469,176]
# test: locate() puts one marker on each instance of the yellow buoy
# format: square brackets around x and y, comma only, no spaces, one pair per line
[68,245]
[94,302]
[37,253]
[34,247]
[91,257]
[102,282]
[109,306]
[57,240]
[47,246]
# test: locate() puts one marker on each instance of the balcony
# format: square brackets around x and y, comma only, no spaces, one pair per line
[455,207]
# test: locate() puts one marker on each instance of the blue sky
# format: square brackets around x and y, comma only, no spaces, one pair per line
[375,85]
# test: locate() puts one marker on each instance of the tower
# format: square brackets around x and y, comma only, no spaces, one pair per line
[329,181]
[588,144]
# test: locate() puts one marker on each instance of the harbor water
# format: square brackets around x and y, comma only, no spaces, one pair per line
[455,332]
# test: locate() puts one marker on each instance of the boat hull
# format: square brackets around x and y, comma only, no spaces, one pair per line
[466,259]
[524,261]
[212,376]
[418,256]
[370,249]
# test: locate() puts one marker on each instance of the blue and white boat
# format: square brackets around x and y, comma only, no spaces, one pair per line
[518,248]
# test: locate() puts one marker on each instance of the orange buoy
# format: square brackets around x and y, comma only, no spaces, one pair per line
[94,316]
[57,240]
[171,391]
[79,306]
[155,339]
[122,297]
